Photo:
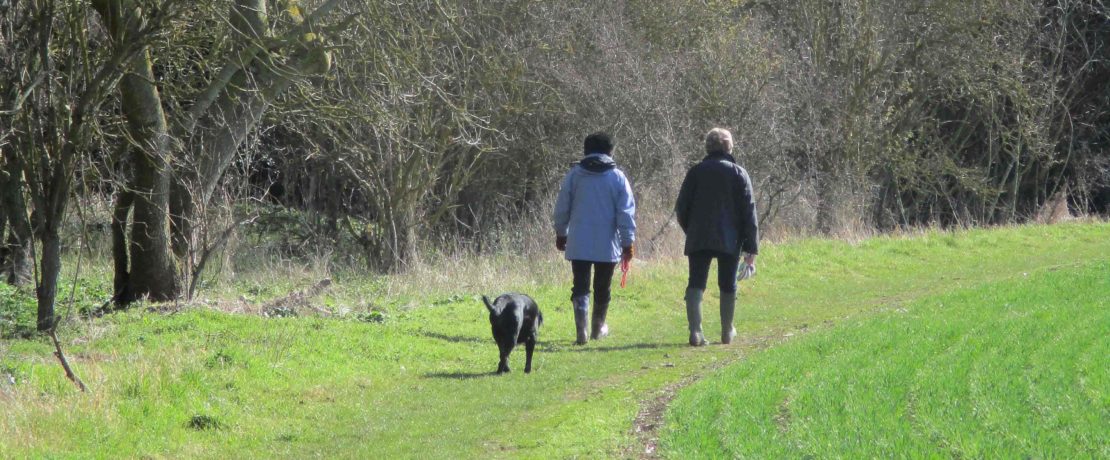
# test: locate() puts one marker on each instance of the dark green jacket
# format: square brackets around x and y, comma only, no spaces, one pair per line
[716,208]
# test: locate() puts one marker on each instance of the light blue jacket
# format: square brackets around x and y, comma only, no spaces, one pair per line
[595,210]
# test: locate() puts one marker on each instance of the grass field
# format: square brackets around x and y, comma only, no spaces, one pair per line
[1011,369]
[417,381]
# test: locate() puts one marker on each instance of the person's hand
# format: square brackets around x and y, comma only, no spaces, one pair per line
[748,269]
[561,243]
[627,254]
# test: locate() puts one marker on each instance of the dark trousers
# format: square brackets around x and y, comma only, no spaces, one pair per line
[727,267]
[603,277]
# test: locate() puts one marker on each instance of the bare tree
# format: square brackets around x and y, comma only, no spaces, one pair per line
[177,159]
[64,83]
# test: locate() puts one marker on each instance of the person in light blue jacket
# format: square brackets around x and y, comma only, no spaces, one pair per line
[595,224]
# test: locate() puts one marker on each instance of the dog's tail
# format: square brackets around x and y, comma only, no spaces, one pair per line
[540,315]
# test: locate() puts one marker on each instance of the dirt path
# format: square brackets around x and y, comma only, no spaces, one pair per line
[645,428]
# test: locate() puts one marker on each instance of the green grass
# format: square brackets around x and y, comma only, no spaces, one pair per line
[1013,369]
[203,383]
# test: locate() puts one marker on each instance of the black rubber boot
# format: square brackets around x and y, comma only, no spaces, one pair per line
[728,307]
[693,317]
[581,325]
[598,328]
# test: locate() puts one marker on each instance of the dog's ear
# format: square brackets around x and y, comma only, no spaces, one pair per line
[489,306]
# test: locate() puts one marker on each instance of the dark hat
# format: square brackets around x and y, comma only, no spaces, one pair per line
[599,142]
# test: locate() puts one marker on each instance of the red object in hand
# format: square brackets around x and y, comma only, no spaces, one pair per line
[561,243]
[626,264]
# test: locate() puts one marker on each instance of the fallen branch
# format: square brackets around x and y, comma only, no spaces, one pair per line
[65,364]
[299,299]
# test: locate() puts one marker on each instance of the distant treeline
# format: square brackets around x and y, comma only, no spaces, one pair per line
[391,126]
[455,119]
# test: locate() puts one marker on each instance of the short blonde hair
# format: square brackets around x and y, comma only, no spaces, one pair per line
[719,140]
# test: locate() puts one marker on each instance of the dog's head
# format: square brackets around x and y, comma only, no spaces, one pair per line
[505,318]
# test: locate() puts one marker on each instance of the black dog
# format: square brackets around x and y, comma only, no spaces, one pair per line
[515,318]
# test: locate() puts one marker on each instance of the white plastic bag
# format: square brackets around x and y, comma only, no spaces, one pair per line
[746,271]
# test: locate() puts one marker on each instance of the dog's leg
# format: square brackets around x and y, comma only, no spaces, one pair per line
[503,366]
[529,346]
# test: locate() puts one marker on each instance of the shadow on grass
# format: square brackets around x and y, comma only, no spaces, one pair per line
[459,375]
[568,346]
[631,346]
[454,338]
[553,346]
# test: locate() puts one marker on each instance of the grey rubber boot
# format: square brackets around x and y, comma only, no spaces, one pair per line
[581,319]
[728,307]
[693,316]
[598,328]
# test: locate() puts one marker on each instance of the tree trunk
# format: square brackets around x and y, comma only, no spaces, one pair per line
[56,198]
[402,245]
[4,250]
[153,271]
[19,254]
[47,290]
[20,238]
[121,288]
[3,233]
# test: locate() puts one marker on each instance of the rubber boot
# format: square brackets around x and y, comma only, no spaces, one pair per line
[598,328]
[728,307]
[581,321]
[693,316]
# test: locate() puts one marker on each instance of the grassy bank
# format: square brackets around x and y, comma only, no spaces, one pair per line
[416,381]
[1011,369]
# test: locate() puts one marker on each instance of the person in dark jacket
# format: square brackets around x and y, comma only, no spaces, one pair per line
[595,224]
[716,209]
